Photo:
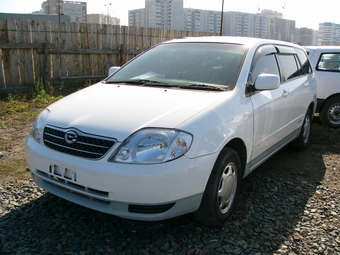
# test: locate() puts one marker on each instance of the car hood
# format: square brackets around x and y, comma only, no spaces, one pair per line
[119,110]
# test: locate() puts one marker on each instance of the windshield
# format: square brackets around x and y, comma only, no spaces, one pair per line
[191,65]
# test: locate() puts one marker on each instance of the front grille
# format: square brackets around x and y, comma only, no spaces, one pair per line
[86,145]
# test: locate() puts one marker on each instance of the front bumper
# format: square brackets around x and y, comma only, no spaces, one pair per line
[140,192]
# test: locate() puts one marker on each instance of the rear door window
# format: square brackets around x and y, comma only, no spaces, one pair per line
[288,66]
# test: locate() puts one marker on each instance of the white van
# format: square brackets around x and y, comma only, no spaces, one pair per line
[326,62]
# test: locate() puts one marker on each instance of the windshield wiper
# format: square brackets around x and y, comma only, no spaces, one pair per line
[147,82]
[204,87]
[143,82]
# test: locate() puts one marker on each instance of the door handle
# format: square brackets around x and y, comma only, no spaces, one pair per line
[285,93]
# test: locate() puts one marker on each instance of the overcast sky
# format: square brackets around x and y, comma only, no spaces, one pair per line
[306,13]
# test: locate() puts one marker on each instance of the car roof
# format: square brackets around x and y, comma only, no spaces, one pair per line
[323,48]
[248,41]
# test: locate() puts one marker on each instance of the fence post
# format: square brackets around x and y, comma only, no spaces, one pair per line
[121,54]
[46,68]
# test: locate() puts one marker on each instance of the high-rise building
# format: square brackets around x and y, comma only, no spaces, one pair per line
[137,18]
[165,14]
[170,14]
[202,20]
[261,25]
[304,36]
[329,34]
[77,11]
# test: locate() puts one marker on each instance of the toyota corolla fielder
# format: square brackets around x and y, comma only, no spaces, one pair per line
[176,129]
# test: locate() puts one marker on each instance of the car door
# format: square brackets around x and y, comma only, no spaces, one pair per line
[270,107]
[295,73]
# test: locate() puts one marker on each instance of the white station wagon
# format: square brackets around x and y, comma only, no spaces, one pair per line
[176,129]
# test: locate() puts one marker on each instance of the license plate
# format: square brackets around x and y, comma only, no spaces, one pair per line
[63,172]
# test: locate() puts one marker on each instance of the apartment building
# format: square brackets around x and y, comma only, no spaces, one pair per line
[137,18]
[202,20]
[165,14]
[329,34]
[77,11]
[102,19]
[305,36]
[170,14]
[237,24]
[262,25]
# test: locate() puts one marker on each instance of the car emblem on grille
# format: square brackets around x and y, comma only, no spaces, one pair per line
[71,137]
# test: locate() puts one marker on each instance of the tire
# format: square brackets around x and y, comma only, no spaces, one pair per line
[330,113]
[302,141]
[219,197]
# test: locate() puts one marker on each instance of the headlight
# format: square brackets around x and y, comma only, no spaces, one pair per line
[151,146]
[38,125]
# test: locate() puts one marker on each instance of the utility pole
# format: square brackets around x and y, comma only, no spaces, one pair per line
[221,28]
[58,10]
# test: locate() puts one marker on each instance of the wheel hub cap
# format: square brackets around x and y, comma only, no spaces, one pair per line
[227,188]
[334,114]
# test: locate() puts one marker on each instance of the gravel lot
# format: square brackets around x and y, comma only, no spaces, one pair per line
[289,205]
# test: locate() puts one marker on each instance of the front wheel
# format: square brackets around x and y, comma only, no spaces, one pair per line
[330,113]
[220,194]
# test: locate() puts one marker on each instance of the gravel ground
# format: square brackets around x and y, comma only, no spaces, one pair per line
[273,216]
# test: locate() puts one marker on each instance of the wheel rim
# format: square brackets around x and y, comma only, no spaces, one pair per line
[306,129]
[227,188]
[334,114]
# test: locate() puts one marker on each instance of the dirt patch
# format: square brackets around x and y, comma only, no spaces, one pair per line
[318,164]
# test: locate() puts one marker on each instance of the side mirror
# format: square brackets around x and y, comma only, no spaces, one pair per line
[267,82]
[113,69]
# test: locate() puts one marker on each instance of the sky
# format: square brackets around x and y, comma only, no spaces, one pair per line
[306,13]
